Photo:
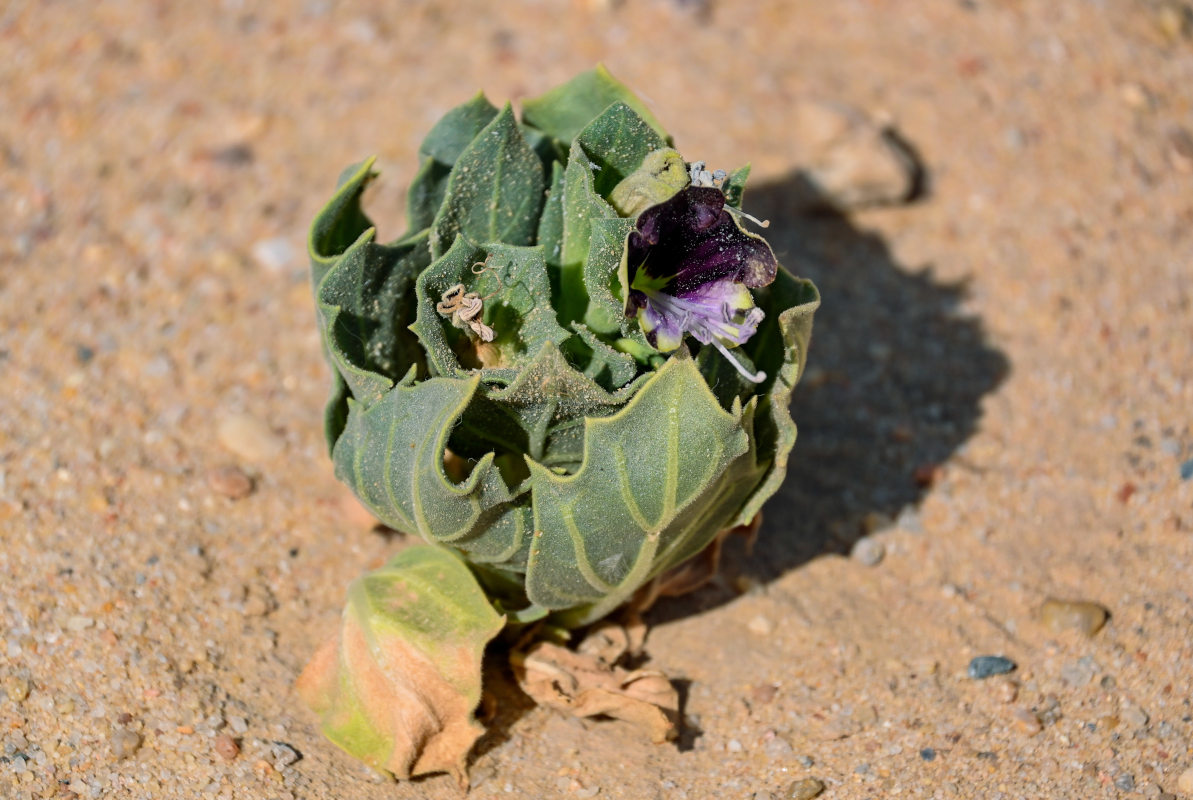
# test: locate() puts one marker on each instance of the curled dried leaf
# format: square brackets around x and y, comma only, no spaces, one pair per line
[585,685]
[398,683]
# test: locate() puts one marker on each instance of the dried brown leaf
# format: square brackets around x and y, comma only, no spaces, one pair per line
[585,685]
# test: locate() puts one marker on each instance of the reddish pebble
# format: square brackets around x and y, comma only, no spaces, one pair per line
[226,747]
[925,475]
[230,482]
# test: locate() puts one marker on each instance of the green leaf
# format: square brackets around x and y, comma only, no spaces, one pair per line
[550,400]
[341,221]
[549,151]
[495,191]
[550,232]
[647,486]
[392,456]
[565,110]
[780,347]
[610,368]
[398,685]
[365,303]
[425,197]
[606,249]
[516,290]
[335,411]
[456,129]
[441,149]
[581,205]
[734,186]
[617,142]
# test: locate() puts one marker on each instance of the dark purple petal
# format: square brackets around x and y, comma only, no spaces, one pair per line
[689,268]
[692,239]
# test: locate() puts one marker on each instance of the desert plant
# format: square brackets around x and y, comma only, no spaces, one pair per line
[567,377]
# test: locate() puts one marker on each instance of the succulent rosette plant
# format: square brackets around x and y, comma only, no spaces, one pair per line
[567,378]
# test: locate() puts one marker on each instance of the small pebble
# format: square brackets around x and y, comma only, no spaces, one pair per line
[283,755]
[985,666]
[1083,616]
[1027,721]
[734,746]
[1005,690]
[805,789]
[124,742]
[928,754]
[868,551]
[1185,782]
[16,687]
[1080,672]
[78,623]
[230,481]
[760,625]
[1125,782]
[1049,710]
[275,254]
[226,747]
[249,437]
[805,761]
[1134,716]
[238,724]
[763,694]
[1187,470]
[777,748]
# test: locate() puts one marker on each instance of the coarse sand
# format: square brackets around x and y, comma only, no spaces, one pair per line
[999,396]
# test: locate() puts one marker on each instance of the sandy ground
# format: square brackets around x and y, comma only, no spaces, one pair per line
[999,394]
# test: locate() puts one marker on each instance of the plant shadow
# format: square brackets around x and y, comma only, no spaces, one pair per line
[894,384]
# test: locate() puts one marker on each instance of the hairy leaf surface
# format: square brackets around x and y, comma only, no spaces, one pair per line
[597,531]
[565,110]
[495,191]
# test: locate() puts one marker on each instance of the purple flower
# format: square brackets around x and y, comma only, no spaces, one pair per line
[689,269]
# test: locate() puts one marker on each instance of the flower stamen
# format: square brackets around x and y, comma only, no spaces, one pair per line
[737,212]
[464,309]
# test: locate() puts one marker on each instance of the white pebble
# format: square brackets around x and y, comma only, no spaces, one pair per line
[760,625]
[249,437]
[1185,782]
[275,254]
[868,551]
